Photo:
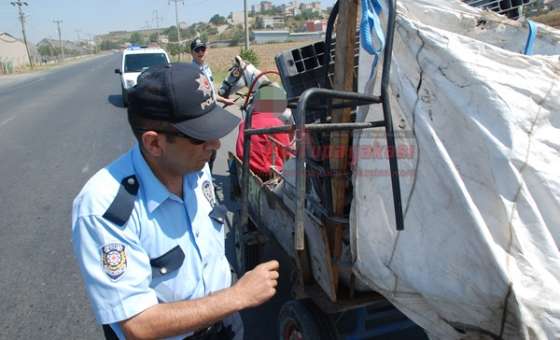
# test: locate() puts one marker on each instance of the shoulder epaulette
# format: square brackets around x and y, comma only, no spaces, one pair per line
[121,208]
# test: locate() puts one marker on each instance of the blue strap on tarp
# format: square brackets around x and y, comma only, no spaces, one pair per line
[370,25]
[531,38]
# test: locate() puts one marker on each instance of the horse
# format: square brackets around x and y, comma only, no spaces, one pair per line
[244,74]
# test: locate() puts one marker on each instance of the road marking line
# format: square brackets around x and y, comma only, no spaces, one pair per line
[7,121]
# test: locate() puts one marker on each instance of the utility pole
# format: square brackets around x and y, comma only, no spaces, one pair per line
[92,46]
[177,17]
[177,22]
[60,43]
[246,25]
[157,18]
[20,3]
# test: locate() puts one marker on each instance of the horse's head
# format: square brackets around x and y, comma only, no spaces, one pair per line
[236,77]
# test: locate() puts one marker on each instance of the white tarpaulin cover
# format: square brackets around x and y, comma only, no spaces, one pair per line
[478,141]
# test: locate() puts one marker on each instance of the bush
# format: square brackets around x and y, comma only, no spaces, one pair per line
[250,55]
[175,49]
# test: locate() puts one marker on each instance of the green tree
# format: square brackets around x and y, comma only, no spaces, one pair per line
[250,55]
[171,33]
[154,37]
[204,36]
[308,14]
[175,49]
[217,20]
[47,51]
[136,38]
[108,45]
[212,31]
[237,38]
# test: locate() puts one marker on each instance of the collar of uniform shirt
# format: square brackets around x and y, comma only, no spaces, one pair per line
[155,193]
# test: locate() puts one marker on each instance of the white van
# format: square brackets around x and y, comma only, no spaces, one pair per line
[134,61]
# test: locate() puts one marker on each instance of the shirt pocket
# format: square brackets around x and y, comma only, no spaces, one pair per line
[168,262]
[165,272]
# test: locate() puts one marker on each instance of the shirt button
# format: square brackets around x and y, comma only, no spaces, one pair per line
[131,181]
[163,270]
[197,233]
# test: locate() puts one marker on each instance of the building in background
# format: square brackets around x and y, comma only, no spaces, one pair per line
[273,22]
[316,25]
[263,37]
[13,53]
[238,18]
[290,9]
[307,36]
[314,6]
[265,6]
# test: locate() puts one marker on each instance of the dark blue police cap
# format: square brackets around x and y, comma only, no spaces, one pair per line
[182,95]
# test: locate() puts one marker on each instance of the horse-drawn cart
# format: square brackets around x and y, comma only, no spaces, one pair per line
[479,257]
[293,208]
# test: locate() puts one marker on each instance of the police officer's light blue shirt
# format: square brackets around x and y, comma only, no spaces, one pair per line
[115,261]
[208,73]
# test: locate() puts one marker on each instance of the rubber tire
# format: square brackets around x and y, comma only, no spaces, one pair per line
[247,256]
[310,322]
[124,95]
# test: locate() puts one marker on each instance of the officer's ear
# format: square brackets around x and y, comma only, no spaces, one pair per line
[153,143]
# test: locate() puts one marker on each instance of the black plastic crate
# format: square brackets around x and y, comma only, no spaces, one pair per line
[303,68]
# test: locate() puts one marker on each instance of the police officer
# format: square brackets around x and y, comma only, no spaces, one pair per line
[199,53]
[147,231]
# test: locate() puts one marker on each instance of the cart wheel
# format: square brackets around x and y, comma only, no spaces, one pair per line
[301,320]
[246,252]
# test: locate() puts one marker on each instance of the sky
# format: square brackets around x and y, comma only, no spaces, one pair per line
[85,18]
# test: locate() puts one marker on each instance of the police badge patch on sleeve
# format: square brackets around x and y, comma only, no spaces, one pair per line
[208,191]
[113,258]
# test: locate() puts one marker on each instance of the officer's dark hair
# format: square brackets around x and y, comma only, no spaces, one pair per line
[138,125]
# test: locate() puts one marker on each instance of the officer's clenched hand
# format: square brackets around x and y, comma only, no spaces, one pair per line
[258,285]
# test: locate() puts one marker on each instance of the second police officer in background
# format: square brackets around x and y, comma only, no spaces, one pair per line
[199,52]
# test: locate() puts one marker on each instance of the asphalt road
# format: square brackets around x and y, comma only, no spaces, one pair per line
[57,129]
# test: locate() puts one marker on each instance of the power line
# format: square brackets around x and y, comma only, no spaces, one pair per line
[156,17]
[246,25]
[177,16]
[60,43]
[19,4]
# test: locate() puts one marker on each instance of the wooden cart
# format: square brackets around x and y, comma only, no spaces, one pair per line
[298,215]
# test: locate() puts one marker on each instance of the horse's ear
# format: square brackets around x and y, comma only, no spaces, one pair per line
[238,60]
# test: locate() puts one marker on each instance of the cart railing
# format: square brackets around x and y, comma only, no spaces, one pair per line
[350,99]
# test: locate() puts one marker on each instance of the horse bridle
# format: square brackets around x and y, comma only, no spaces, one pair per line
[241,74]
[250,84]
